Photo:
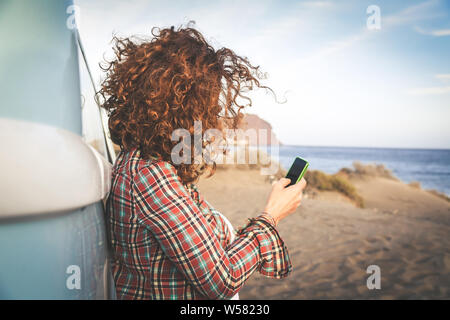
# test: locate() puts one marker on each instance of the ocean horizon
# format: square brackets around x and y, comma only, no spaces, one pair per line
[430,167]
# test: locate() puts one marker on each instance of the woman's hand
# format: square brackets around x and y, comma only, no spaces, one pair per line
[283,201]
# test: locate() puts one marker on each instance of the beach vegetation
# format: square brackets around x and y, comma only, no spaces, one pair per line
[335,182]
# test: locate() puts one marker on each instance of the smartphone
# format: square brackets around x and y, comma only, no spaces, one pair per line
[297,170]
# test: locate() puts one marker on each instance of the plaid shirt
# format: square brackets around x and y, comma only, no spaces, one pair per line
[169,243]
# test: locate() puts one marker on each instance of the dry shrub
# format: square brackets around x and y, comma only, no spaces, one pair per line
[322,181]
[367,170]
[415,185]
[439,194]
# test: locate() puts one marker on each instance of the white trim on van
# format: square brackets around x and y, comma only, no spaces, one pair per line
[44,169]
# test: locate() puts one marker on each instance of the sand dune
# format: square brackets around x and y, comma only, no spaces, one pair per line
[403,230]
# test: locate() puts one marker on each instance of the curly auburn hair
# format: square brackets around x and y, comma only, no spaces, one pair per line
[153,87]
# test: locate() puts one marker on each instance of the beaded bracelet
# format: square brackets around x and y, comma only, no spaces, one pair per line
[272,219]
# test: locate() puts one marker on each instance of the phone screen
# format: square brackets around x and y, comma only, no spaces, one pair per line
[297,170]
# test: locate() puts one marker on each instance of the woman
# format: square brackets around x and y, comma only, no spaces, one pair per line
[168,242]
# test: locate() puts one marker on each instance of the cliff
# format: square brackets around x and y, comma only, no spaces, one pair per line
[252,121]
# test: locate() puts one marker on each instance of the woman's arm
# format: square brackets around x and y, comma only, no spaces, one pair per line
[166,208]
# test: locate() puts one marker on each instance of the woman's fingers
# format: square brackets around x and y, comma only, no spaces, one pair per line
[301,184]
[284,201]
[283,182]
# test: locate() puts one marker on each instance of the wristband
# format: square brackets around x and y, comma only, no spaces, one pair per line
[272,219]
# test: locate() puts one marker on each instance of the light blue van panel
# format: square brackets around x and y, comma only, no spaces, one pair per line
[39,78]
[37,256]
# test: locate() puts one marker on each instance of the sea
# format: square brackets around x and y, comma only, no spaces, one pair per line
[430,167]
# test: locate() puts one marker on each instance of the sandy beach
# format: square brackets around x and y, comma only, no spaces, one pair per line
[402,229]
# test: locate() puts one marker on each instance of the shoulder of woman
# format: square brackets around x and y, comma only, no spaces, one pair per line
[159,175]
[157,168]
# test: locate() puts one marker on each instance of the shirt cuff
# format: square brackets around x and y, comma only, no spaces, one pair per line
[275,261]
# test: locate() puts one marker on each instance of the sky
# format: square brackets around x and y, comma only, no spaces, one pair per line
[343,82]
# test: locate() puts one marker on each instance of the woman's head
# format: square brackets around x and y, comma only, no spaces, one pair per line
[156,86]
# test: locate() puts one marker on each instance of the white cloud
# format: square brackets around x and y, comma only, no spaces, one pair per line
[317,4]
[434,33]
[429,91]
[422,11]
[443,76]
[440,33]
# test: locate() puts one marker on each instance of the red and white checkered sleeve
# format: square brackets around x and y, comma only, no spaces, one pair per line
[165,206]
